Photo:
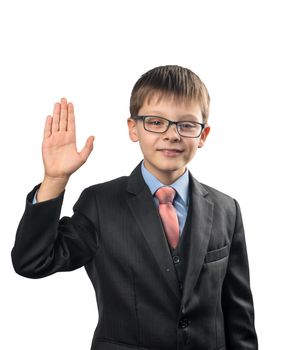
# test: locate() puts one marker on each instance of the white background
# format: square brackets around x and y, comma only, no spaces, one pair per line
[92,52]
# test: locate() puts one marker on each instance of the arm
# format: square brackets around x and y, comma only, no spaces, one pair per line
[44,244]
[236,295]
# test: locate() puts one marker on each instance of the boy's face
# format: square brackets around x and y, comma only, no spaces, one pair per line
[166,154]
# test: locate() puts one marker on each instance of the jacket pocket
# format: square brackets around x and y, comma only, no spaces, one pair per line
[218,254]
[106,344]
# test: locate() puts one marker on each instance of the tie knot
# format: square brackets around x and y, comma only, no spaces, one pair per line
[165,194]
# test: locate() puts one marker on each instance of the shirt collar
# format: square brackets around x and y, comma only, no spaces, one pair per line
[180,185]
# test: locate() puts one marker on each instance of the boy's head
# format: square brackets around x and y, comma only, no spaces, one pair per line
[169,110]
[170,81]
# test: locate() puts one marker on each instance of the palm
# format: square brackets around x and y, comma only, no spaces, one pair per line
[59,151]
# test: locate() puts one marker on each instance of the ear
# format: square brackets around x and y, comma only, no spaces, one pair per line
[132,129]
[203,136]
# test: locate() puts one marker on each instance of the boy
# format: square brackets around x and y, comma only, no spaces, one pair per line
[166,254]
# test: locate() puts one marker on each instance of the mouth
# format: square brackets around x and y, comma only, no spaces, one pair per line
[170,152]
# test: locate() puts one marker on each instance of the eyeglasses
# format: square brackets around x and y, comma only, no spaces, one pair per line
[160,125]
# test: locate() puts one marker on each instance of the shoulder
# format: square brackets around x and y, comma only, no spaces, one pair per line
[226,209]
[107,188]
[117,187]
[221,200]
[101,197]
[217,194]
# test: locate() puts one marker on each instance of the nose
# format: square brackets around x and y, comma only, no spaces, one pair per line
[172,134]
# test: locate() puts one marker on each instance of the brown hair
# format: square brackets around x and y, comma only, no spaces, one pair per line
[179,82]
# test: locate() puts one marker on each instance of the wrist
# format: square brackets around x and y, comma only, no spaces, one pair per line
[55,181]
[51,187]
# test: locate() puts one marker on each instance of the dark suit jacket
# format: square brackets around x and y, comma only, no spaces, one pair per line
[116,233]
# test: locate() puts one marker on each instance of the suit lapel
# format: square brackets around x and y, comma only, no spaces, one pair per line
[201,217]
[145,213]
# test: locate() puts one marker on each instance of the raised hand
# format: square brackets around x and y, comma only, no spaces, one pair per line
[59,150]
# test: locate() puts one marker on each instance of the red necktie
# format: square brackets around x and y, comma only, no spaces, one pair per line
[168,214]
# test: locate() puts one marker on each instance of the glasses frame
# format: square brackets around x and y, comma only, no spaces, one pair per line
[170,122]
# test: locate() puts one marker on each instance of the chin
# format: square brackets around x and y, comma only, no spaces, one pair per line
[166,165]
[172,167]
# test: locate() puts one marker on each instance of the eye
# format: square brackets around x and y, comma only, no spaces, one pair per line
[155,121]
[188,125]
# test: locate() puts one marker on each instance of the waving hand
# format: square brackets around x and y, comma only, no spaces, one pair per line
[59,151]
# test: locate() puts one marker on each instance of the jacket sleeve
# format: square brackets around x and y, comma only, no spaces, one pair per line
[236,295]
[45,244]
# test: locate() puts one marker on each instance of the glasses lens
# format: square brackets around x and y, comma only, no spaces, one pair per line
[189,129]
[156,124]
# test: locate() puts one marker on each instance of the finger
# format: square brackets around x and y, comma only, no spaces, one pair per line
[63,115]
[88,148]
[47,127]
[71,118]
[55,119]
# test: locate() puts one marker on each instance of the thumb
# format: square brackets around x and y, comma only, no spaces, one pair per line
[87,148]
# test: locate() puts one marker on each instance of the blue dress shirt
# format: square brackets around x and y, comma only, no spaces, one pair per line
[181,200]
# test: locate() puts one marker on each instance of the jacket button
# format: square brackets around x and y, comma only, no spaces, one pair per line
[183,323]
[176,259]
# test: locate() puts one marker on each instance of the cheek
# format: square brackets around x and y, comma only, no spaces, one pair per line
[191,150]
[192,145]
[144,144]
[147,141]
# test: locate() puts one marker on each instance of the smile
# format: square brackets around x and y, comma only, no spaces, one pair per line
[170,152]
